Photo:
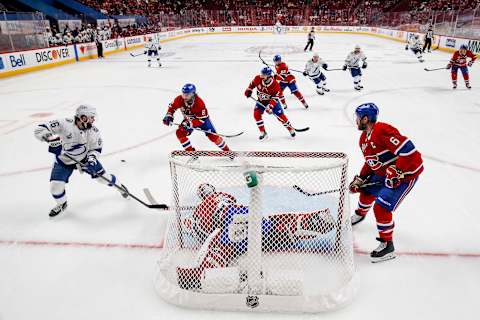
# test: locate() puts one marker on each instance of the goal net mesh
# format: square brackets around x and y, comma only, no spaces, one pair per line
[260,231]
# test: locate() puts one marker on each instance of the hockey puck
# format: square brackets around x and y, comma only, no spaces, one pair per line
[123,160]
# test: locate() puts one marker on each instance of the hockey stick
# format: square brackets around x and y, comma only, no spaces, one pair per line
[271,65]
[308,194]
[137,55]
[337,69]
[151,206]
[153,201]
[435,69]
[297,130]
[215,133]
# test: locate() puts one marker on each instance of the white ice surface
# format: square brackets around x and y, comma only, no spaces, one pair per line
[58,269]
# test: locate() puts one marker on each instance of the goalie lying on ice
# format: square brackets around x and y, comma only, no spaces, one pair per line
[221,225]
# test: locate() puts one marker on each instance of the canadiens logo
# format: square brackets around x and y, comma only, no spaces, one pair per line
[373,162]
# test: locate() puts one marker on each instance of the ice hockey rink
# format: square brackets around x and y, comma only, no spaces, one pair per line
[98,260]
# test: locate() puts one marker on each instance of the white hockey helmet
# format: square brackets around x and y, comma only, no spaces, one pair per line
[85,110]
[204,190]
[315,54]
[357,47]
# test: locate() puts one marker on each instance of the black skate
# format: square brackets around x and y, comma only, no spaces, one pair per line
[358,88]
[292,132]
[356,218]
[468,86]
[320,91]
[454,86]
[263,136]
[384,251]
[58,209]
[327,90]
[306,106]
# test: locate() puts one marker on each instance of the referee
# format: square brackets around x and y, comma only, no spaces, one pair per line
[428,39]
[311,37]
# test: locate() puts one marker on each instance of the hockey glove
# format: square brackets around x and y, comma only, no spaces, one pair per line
[356,184]
[305,73]
[344,68]
[248,93]
[93,167]
[364,66]
[470,63]
[55,146]
[449,66]
[325,66]
[406,47]
[145,52]
[186,124]
[393,177]
[168,119]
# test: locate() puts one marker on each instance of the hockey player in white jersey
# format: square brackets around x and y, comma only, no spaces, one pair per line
[75,138]
[151,49]
[354,61]
[313,69]
[416,45]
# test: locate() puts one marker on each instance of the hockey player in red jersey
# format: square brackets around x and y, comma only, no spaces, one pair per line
[220,224]
[286,79]
[269,93]
[460,61]
[195,115]
[391,169]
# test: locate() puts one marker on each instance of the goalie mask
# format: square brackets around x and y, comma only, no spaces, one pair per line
[204,190]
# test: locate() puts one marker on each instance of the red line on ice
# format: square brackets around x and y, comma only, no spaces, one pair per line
[82,244]
[160,246]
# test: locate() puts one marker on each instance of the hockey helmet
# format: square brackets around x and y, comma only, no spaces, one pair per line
[369,110]
[189,88]
[85,110]
[204,190]
[463,47]
[266,71]
[277,58]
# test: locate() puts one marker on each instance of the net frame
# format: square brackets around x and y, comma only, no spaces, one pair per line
[256,300]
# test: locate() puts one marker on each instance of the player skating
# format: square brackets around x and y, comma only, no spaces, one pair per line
[313,69]
[195,115]
[268,93]
[151,50]
[74,138]
[392,165]
[286,79]
[460,61]
[220,224]
[354,61]
[415,45]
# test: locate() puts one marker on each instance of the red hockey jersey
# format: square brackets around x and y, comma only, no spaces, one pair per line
[283,74]
[460,60]
[196,112]
[267,94]
[385,146]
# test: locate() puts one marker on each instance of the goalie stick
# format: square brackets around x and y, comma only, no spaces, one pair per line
[151,206]
[435,69]
[215,133]
[297,130]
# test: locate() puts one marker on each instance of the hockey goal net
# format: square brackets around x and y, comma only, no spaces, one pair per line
[260,231]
